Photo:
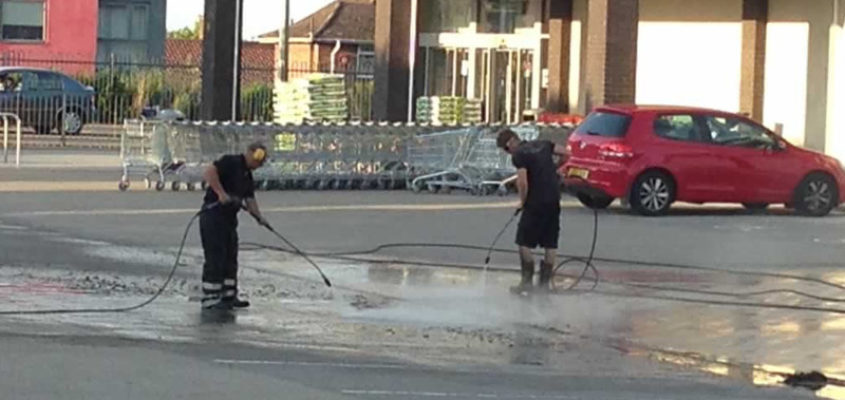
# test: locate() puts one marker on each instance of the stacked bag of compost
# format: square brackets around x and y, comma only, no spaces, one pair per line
[448,110]
[318,98]
[328,100]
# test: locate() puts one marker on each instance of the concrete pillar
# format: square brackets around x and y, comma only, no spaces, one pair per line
[835,144]
[611,66]
[754,19]
[218,68]
[392,69]
[820,19]
[560,38]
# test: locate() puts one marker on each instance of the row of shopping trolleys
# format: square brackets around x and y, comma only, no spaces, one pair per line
[393,157]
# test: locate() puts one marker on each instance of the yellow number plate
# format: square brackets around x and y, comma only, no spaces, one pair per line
[578,173]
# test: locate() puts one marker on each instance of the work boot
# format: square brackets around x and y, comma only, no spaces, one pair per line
[546,272]
[219,305]
[525,285]
[235,302]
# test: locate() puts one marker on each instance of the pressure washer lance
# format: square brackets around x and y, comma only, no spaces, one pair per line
[302,254]
[499,236]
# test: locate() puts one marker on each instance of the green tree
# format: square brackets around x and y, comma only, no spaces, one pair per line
[188,32]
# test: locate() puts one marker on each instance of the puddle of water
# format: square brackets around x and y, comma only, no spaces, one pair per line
[758,375]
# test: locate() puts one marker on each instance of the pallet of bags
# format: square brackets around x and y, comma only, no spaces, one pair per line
[472,111]
[327,98]
[292,99]
[450,110]
[424,110]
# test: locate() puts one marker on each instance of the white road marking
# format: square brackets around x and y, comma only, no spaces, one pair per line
[12,227]
[53,186]
[311,364]
[394,393]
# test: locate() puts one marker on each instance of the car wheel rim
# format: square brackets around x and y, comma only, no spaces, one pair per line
[654,194]
[72,122]
[819,196]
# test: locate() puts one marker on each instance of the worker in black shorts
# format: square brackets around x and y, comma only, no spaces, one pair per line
[539,195]
[230,185]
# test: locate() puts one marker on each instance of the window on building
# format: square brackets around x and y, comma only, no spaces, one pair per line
[140,20]
[22,20]
[114,22]
[504,16]
[439,16]
[124,22]
[124,30]
[365,60]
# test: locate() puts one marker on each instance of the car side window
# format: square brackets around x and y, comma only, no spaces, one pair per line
[49,82]
[29,81]
[736,132]
[11,82]
[682,127]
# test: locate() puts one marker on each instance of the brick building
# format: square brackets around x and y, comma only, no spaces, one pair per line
[257,60]
[45,33]
[71,36]
[780,61]
[337,37]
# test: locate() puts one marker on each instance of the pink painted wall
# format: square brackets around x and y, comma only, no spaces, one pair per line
[70,39]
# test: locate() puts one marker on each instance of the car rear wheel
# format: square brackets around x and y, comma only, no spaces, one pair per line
[652,194]
[817,195]
[595,202]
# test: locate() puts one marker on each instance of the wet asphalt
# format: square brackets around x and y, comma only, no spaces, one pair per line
[398,331]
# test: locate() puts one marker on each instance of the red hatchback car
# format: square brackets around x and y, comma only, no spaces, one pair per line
[651,157]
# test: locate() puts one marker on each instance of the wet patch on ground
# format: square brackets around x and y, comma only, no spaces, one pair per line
[449,315]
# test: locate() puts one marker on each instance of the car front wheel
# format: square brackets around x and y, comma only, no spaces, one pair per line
[72,122]
[817,195]
[652,194]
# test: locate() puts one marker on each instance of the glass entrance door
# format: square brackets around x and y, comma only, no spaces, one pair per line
[503,79]
[506,78]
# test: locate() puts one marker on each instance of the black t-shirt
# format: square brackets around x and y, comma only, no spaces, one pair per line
[543,182]
[236,178]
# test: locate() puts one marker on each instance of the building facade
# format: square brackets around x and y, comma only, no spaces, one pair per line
[131,30]
[184,56]
[49,31]
[780,61]
[74,36]
[335,38]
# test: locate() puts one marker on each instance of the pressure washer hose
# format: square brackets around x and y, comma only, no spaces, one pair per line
[355,256]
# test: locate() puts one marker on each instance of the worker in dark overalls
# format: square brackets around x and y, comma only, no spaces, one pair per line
[539,199]
[230,187]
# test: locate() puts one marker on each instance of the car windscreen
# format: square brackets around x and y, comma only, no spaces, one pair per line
[601,123]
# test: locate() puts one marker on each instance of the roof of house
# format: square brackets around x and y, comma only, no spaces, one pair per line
[189,52]
[352,20]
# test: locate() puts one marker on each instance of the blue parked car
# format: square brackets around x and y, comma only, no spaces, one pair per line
[46,100]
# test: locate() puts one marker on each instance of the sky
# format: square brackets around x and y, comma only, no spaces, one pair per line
[260,16]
